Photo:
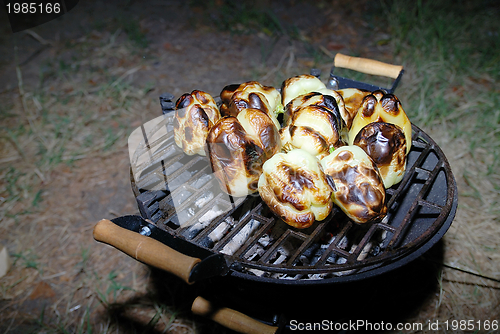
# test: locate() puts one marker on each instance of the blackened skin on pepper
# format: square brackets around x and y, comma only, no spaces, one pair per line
[385,143]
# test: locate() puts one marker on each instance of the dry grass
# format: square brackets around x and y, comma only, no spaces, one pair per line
[64,165]
[450,90]
[470,245]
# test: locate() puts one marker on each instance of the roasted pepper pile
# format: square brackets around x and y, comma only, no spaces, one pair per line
[304,149]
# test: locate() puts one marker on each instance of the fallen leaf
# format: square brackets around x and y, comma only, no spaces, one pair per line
[42,290]
[65,278]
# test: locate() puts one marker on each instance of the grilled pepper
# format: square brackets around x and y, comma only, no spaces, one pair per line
[314,129]
[295,188]
[195,114]
[359,191]
[381,107]
[253,95]
[303,90]
[299,85]
[238,146]
[262,129]
[352,98]
[385,143]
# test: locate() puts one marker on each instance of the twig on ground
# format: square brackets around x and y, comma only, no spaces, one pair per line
[37,37]
[463,270]
[45,44]
[26,110]
[288,52]
[124,75]
[326,52]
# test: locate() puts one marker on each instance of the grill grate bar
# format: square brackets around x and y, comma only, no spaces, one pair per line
[169,210]
[334,245]
[215,223]
[152,177]
[154,158]
[308,240]
[354,257]
[267,224]
[272,250]
[430,204]
[413,209]
[386,227]
[409,175]
[246,218]
[343,253]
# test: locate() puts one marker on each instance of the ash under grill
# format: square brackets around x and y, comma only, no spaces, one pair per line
[179,194]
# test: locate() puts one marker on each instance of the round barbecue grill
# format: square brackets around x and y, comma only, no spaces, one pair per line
[200,232]
[420,210]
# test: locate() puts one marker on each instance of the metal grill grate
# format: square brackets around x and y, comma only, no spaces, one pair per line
[179,194]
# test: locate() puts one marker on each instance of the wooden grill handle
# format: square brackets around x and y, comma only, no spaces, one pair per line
[145,249]
[368,66]
[231,319]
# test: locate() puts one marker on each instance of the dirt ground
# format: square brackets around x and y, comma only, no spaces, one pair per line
[62,280]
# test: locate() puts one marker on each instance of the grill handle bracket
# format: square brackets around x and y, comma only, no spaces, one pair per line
[145,249]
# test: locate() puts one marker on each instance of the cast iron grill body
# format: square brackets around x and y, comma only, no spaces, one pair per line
[420,209]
